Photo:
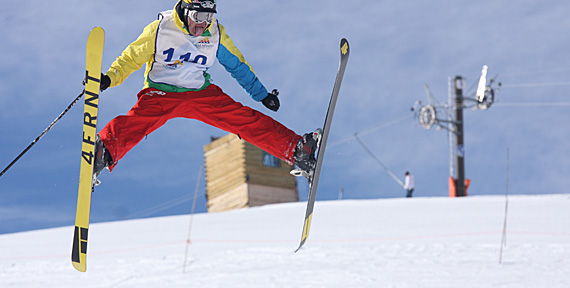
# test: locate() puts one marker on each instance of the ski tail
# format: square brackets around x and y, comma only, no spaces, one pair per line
[92,85]
[314,182]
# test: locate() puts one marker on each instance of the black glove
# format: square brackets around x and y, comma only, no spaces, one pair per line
[271,101]
[105,82]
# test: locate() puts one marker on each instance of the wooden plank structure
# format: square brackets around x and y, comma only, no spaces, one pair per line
[240,175]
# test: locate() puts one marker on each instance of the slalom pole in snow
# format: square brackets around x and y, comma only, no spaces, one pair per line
[43,133]
[191,217]
[504,237]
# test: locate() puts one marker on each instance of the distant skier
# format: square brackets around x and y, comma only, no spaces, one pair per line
[178,49]
[409,184]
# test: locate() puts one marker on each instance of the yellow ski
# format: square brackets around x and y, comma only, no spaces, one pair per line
[92,85]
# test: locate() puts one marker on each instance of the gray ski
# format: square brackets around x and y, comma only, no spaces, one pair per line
[314,178]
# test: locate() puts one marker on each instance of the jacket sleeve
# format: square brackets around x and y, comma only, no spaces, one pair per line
[234,62]
[134,56]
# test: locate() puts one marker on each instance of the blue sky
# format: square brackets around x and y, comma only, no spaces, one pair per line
[396,48]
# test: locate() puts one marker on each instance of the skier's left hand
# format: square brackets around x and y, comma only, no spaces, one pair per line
[271,101]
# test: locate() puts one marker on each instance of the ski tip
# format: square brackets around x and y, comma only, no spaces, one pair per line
[97,32]
[344,47]
[79,267]
[300,246]
[97,28]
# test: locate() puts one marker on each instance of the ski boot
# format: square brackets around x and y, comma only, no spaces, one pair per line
[305,154]
[102,160]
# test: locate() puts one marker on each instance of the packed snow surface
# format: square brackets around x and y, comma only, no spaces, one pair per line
[419,242]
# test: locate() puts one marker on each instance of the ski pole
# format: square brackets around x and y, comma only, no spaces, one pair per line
[43,133]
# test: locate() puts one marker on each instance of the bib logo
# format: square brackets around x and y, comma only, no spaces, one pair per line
[204,43]
[174,65]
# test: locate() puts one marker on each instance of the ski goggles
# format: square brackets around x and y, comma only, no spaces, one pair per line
[200,17]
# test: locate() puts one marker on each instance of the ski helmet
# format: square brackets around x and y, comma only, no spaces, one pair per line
[199,5]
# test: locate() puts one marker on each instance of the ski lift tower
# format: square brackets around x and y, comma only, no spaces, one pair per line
[452,120]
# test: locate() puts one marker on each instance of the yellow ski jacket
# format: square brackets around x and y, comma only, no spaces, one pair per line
[176,61]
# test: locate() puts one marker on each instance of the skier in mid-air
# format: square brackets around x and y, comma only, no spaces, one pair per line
[178,49]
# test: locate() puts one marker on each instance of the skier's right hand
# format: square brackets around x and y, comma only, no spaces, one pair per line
[105,82]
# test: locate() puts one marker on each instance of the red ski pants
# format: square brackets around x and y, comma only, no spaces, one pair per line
[211,106]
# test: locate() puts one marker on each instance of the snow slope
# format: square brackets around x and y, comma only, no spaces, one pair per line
[420,242]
